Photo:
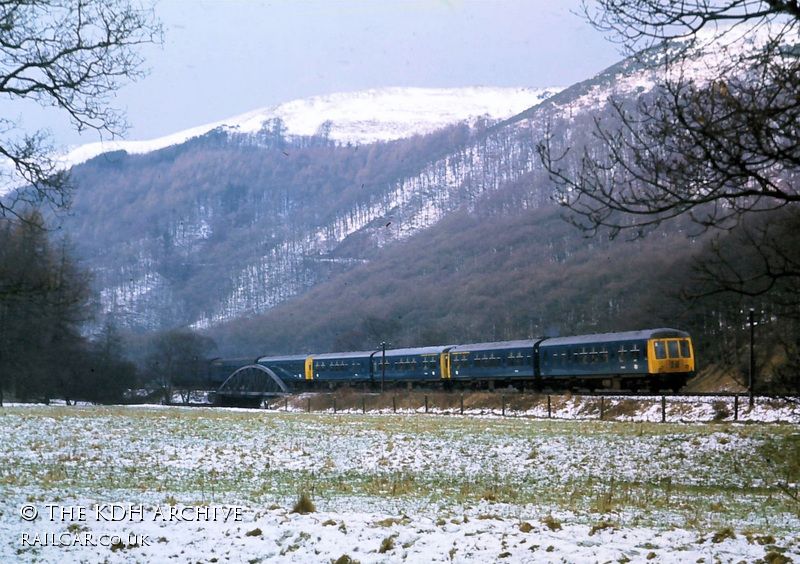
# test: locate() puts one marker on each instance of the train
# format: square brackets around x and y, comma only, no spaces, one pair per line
[647,360]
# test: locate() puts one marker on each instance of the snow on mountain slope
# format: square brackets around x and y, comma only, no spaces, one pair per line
[362,117]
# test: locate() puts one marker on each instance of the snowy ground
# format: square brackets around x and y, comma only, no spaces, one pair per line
[152,484]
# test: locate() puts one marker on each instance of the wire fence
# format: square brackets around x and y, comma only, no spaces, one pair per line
[664,408]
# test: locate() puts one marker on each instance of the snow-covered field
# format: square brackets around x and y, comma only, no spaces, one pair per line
[167,484]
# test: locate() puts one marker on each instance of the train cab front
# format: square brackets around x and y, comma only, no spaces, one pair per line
[671,358]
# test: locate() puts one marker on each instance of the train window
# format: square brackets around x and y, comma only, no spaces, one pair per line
[603,355]
[661,350]
[635,353]
[563,357]
[685,352]
[672,349]
[622,356]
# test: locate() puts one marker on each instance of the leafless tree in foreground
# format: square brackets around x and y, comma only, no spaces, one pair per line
[716,140]
[74,55]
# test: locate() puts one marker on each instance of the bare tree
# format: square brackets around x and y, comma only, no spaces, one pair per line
[716,146]
[74,55]
[717,140]
[178,360]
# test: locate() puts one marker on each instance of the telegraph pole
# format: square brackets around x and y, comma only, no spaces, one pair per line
[752,372]
[383,365]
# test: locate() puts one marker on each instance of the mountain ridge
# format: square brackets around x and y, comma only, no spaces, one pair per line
[360,117]
[245,217]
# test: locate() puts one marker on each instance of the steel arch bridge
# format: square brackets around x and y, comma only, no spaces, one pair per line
[248,386]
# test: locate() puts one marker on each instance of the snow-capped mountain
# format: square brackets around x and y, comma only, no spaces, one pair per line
[382,114]
[259,209]
[232,218]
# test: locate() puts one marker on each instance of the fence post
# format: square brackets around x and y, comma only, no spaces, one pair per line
[735,408]
[602,407]
[549,413]
[308,406]
[334,405]
[426,403]
[394,404]
[462,404]
[504,405]
[363,404]
[286,404]
[663,409]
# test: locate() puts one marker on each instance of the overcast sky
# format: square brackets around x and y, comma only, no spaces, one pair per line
[225,58]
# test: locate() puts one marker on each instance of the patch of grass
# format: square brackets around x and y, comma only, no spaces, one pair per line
[551,523]
[389,521]
[304,505]
[387,544]
[775,557]
[721,535]
[602,526]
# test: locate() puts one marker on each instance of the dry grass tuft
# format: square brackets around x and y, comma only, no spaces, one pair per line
[601,527]
[552,523]
[387,545]
[304,505]
[721,535]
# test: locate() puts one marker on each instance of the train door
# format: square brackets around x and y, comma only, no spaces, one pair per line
[444,363]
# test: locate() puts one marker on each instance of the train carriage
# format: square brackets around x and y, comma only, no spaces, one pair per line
[413,364]
[634,360]
[347,366]
[219,369]
[290,368]
[506,360]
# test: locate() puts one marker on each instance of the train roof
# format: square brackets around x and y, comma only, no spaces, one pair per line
[225,361]
[661,333]
[343,355]
[284,358]
[437,349]
[496,345]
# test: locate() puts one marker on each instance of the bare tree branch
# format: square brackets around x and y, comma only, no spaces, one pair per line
[74,55]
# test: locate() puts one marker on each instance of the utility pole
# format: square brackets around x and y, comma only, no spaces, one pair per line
[752,372]
[383,365]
